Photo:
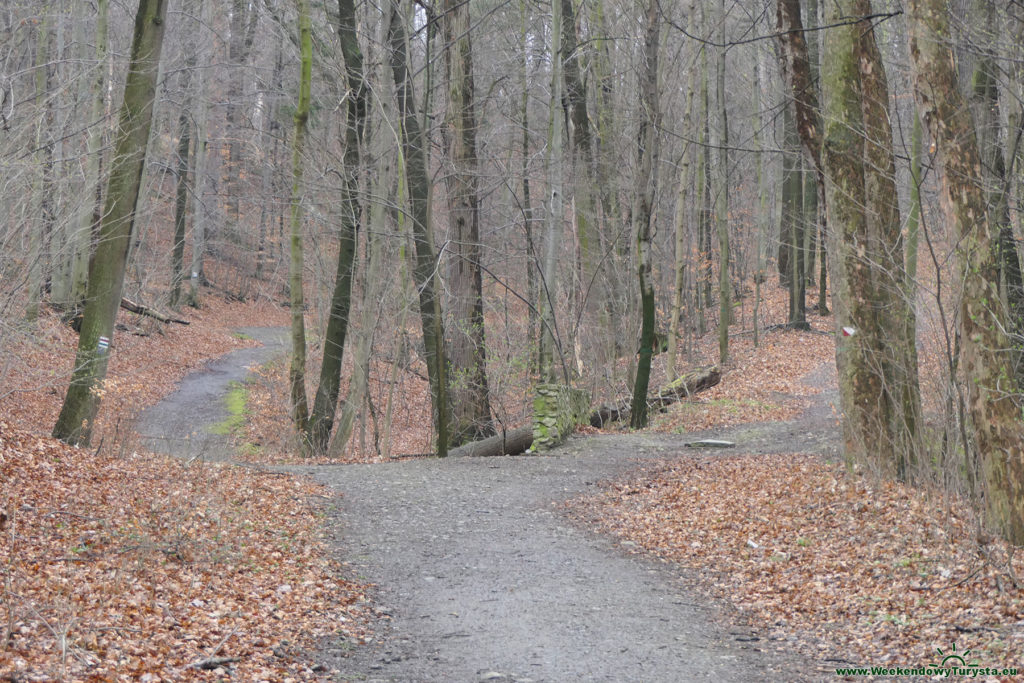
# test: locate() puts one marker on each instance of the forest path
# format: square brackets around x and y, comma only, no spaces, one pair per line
[482,574]
[485,579]
[180,424]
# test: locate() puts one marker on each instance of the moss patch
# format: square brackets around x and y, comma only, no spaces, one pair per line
[235,401]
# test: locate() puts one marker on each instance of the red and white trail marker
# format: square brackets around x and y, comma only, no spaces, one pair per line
[849,331]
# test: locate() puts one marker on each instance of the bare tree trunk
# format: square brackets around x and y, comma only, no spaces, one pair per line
[184,144]
[106,272]
[680,227]
[425,269]
[877,362]
[87,222]
[704,271]
[471,408]
[553,235]
[799,73]
[244,18]
[645,184]
[297,370]
[532,254]
[326,402]
[992,391]
[722,200]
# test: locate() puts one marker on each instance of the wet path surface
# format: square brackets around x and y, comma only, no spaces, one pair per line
[179,424]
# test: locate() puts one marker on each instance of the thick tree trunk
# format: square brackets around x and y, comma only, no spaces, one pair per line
[992,391]
[106,272]
[415,169]
[985,98]
[877,363]
[471,408]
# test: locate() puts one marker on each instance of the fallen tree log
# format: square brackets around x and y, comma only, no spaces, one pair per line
[129,305]
[688,385]
[683,387]
[516,441]
[512,442]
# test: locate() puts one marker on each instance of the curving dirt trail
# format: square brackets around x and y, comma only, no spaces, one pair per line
[179,425]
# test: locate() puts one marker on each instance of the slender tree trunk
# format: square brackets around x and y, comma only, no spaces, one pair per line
[553,235]
[532,254]
[106,272]
[199,176]
[424,271]
[86,223]
[326,402]
[645,184]
[722,200]
[182,189]
[703,293]
[41,187]
[992,392]
[792,199]
[680,227]
[180,208]
[243,28]
[297,370]
[799,73]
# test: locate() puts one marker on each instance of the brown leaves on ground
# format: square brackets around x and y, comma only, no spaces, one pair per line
[147,360]
[399,403]
[762,384]
[849,570]
[120,565]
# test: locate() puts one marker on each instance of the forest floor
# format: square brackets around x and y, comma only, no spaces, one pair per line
[620,556]
[122,564]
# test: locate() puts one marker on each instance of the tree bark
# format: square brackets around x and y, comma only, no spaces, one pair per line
[297,369]
[413,149]
[181,170]
[471,407]
[799,74]
[992,391]
[106,272]
[722,198]
[877,363]
[326,402]
[645,184]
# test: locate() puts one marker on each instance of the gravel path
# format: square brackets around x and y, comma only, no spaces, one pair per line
[484,578]
[179,424]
